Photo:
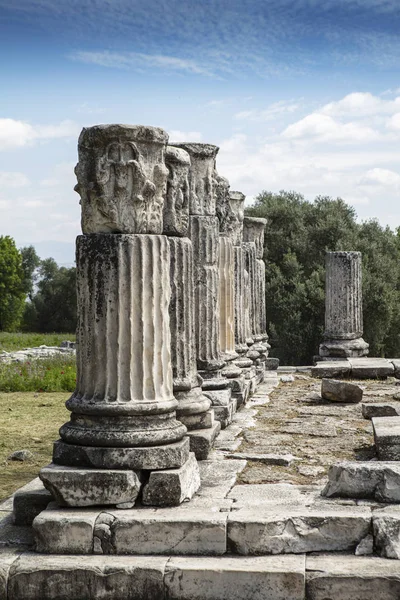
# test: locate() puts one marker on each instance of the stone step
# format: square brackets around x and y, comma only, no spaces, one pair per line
[345,577]
[33,576]
[387,437]
[380,409]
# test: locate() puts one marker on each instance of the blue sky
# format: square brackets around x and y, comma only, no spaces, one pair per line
[298,94]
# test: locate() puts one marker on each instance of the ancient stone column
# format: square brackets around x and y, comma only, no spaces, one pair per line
[236,200]
[343,306]
[226,218]
[253,236]
[123,416]
[193,407]
[204,235]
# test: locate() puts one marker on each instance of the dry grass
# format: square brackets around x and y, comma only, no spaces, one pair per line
[29,421]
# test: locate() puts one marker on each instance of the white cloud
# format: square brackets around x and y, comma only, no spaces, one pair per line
[322,127]
[360,104]
[16,134]
[270,112]
[138,60]
[384,177]
[175,135]
[13,179]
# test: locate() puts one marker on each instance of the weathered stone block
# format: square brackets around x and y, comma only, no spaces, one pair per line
[198,421]
[351,577]
[164,531]
[35,577]
[65,531]
[387,437]
[371,368]
[279,531]
[275,578]
[340,391]
[386,531]
[380,409]
[71,486]
[7,557]
[151,458]
[173,486]
[202,440]
[379,480]
[271,364]
[334,368]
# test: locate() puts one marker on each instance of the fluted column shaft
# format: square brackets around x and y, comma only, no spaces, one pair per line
[251,268]
[343,300]
[204,234]
[124,394]
[227,295]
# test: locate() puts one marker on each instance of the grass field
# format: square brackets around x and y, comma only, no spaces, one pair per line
[18,341]
[30,421]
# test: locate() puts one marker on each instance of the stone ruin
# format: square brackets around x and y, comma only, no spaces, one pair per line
[171,334]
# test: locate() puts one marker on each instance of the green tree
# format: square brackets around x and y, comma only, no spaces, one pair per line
[53,306]
[30,265]
[298,234]
[12,295]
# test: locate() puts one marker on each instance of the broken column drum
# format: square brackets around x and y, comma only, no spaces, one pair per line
[193,406]
[343,306]
[123,408]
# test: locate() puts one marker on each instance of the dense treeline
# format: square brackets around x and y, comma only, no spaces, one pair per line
[298,234]
[35,295]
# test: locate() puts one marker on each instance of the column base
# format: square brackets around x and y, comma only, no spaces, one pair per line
[344,348]
[173,486]
[224,405]
[150,458]
[202,440]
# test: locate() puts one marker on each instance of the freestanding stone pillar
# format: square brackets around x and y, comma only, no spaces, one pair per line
[193,407]
[123,416]
[343,307]
[236,200]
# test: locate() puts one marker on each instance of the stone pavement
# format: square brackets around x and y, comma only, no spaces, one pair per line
[257,528]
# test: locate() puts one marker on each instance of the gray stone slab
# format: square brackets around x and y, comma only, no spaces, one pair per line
[202,440]
[284,460]
[36,577]
[380,409]
[162,531]
[65,531]
[387,437]
[29,504]
[335,368]
[346,577]
[369,479]
[169,456]
[234,578]
[268,530]
[173,486]
[371,368]
[275,494]
[73,486]
[199,421]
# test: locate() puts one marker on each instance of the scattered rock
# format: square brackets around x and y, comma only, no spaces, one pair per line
[340,391]
[366,546]
[379,409]
[287,378]
[21,455]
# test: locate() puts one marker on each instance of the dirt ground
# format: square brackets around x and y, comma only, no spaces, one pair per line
[317,432]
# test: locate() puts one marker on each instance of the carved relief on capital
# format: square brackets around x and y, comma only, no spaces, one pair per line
[225,214]
[122,178]
[236,200]
[253,231]
[201,181]
[176,206]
